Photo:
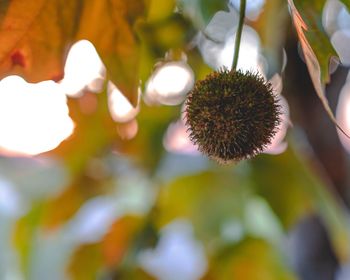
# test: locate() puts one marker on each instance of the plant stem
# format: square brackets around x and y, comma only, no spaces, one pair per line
[238,34]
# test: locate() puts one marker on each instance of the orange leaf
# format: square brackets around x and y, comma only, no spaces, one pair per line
[31,37]
[118,239]
[35,36]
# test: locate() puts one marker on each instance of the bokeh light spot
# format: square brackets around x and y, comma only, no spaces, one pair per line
[83,69]
[170,83]
[343,115]
[119,106]
[220,54]
[33,117]
[278,145]
[176,139]
[128,131]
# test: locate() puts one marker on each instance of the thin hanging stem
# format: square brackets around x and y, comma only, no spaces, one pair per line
[238,34]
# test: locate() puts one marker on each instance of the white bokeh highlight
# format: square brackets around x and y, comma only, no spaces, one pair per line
[178,254]
[34,118]
[220,54]
[253,7]
[170,83]
[133,195]
[94,219]
[176,139]
[83,70]
[119,106]
[128,131]
[341,41]
[343,114]
[11,202]
[278,145]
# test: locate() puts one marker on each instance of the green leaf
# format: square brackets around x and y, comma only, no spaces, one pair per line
[294,191]
[201,11]
[147,147]
[25,235]
[208,200]
[251,259]
[86,262]
[160,10]
[346,3]
[316,46]
[307,19]
[279,181]
[96,126]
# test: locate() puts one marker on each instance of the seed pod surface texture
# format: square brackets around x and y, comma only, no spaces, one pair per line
[232,116]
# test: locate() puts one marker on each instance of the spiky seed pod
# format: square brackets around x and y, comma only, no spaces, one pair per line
[232,116]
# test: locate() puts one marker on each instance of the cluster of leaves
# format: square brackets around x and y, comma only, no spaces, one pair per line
[130,36]
[142,31]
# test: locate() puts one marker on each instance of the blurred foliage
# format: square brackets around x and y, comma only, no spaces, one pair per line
[312,35]
[251,259]
[201,11]
[317,48]
[271,26]
[92,205]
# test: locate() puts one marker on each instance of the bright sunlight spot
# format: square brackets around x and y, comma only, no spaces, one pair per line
[128,131]
[248,53]
[220,54]
[253,7]
[278,145]
[341,40]
[178,254]
[11,204]
[83,69]
[176,139]
[343,114]
[170,83]
[33,117]
[119,106]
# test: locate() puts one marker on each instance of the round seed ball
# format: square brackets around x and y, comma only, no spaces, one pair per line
[232,116]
